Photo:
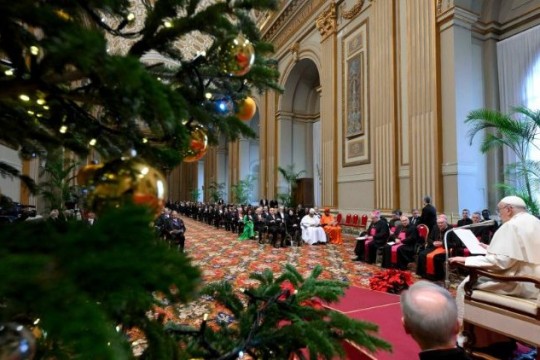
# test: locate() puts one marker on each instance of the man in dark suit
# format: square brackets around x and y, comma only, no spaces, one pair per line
[415,218]
[176,230]
[274,227]
[465,218]
[429,214]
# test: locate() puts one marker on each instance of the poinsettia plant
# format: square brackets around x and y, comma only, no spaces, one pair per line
[391,280]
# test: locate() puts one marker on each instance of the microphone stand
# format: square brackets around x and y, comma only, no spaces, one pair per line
[447,263]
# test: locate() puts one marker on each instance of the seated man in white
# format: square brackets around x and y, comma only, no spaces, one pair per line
[312,232]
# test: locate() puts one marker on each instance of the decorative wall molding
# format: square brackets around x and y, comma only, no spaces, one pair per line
[444,5]
[457,16]
[327,22]
[291,18]
[354,11]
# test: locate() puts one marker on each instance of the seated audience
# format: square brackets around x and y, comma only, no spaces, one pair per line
[377,234]
[395,220]
[275,228]
[312,232]
[331,227]
[249,227]
[431,260]
[259,223]
[406,236]
[429,315]
[482,233]
[465,219]
[176,230]
[292,224]
[415,217]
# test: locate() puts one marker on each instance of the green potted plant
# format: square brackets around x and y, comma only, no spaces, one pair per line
[291,176]
[517,131]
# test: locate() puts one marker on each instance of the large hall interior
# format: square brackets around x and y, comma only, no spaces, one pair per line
[362,110]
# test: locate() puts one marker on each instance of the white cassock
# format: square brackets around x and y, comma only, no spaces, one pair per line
[513,251]
[312,233]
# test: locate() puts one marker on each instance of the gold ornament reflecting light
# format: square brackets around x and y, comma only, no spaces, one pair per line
[239,56]
[198,144]
[128,180]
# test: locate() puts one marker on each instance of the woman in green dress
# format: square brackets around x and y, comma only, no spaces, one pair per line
[249,232]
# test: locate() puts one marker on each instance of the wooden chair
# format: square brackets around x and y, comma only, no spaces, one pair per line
[511,316]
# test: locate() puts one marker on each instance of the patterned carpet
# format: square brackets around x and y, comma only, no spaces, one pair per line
[221,256]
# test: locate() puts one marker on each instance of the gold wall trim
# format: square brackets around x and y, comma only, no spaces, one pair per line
[294,16]
[354,11]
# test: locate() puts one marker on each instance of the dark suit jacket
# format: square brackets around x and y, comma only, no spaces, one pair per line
[429,216]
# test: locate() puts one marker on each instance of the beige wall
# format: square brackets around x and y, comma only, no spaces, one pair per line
[428,63]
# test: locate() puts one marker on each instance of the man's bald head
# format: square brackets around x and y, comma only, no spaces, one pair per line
[430,315]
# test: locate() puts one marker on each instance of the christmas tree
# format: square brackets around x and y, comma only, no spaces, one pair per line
[112,76]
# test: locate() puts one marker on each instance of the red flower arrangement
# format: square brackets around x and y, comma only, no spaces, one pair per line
[392,281]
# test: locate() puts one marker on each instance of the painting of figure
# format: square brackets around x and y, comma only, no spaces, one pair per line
[354,96]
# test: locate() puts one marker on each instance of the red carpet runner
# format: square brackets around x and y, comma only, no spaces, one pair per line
[382,309]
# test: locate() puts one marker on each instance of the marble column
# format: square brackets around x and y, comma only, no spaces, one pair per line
[327,25]
[463,165]
[422,83]
[383,111]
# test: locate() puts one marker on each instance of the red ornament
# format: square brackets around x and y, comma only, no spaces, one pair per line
[198,144]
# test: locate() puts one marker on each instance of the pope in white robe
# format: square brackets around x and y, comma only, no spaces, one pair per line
[513,251]
[312,232]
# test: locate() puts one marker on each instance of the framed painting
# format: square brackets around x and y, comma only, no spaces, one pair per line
[355,103]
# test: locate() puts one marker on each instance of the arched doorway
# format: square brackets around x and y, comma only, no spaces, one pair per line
[299,136]
[248,159]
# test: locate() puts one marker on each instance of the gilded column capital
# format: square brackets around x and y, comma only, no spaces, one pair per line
[327,22]
[355,10]
[295,50]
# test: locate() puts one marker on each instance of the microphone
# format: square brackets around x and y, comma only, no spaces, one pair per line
[490,222]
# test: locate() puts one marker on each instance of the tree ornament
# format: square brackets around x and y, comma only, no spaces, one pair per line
[246,109]
[128,179]
[198,144]
[239,56]
[86,174]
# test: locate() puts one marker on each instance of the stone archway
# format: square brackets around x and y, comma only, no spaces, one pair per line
[298,128]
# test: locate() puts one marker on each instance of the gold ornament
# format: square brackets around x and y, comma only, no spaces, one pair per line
[246,109]
[127,180]
[86,174]
[239,56]
[198,144]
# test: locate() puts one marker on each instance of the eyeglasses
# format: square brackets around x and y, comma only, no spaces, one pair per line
[501,208]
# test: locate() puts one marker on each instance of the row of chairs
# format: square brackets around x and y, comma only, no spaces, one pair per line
[353,221]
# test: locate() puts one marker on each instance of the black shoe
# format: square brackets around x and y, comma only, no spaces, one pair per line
[356,259]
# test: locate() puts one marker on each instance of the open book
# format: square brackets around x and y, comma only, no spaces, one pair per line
[470,241]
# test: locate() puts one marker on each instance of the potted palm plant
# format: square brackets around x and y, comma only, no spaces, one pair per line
[517,131]
[291,176]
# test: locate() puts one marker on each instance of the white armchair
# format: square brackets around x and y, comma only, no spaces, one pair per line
[511,316]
